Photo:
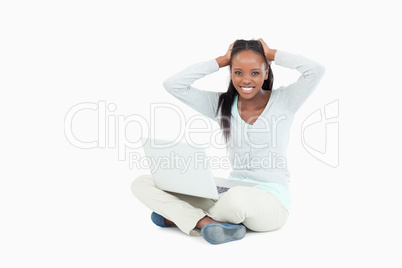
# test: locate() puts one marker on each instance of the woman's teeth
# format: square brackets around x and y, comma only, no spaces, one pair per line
[246,89]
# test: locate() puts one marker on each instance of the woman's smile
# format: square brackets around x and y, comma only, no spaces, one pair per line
[246,89]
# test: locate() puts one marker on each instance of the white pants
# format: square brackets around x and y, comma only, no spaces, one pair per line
[254,208]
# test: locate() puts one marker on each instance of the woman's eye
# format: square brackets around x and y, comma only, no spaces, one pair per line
[256,73]
[238,72]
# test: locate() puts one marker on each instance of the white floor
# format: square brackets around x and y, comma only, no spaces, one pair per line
[80,213]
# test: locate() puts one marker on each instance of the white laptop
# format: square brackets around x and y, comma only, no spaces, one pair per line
[183,168]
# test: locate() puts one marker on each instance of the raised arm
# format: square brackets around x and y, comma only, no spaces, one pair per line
[311,74]
[180,85]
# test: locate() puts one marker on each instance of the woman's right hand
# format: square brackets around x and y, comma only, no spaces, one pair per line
[225,59]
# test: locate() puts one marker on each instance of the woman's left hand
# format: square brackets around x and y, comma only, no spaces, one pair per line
[269,53]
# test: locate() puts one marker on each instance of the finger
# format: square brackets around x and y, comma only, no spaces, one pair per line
[265,47]
[231,45]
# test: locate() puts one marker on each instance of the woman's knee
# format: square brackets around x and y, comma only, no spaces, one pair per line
[258,211]
[232,206]
[267,223]
[139,183]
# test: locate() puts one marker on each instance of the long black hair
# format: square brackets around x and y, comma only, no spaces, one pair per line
[226,99]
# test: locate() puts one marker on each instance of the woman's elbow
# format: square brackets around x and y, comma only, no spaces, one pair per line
[322,67]
[168,84]
[319,70]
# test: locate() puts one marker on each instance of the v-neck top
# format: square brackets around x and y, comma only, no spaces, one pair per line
[236,112]
[258,152]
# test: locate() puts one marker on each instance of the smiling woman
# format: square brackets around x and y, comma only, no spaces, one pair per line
[256,122]
[251,79]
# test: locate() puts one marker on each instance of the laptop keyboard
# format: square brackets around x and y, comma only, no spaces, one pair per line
[222,189]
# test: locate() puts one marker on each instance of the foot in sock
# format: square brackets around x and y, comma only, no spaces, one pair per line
[218,233]
[161,221]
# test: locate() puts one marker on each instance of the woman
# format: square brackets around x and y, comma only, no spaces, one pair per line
[255,121]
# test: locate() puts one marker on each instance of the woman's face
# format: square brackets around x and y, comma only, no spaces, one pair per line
[248,72]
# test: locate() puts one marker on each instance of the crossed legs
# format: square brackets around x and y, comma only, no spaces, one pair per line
[255,209]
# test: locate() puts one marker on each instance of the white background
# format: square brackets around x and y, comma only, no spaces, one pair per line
[62,206]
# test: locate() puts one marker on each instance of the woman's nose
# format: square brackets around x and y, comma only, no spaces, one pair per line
[246,81]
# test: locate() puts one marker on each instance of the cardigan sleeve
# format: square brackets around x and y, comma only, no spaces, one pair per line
[180,86]
[311,73]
